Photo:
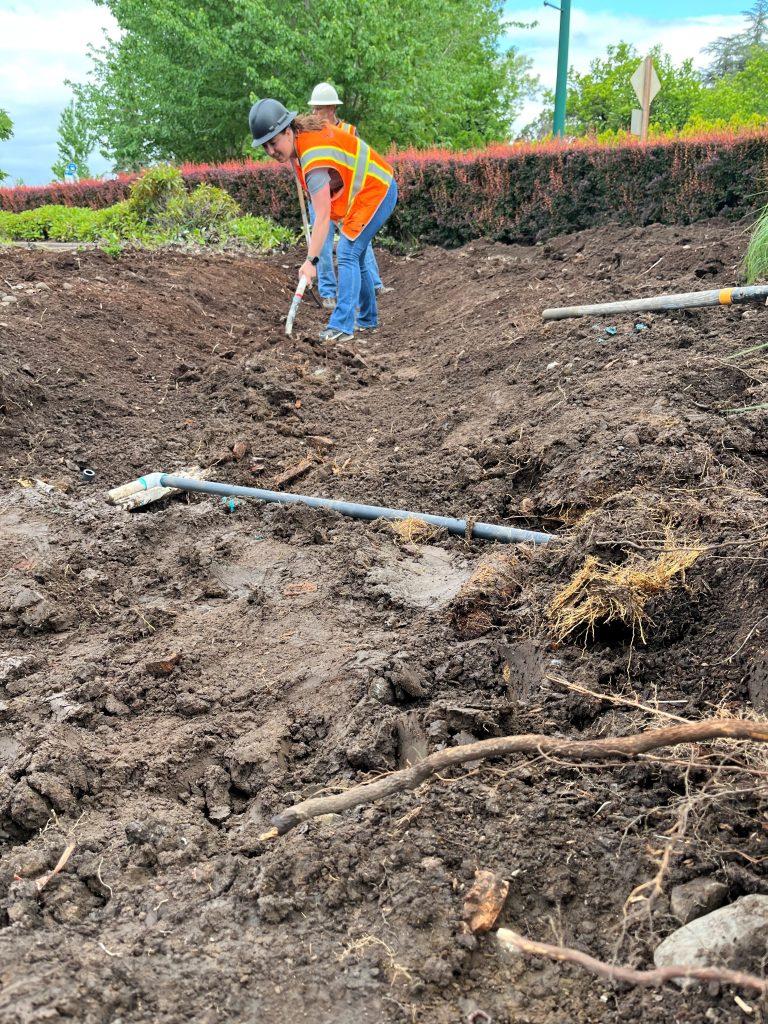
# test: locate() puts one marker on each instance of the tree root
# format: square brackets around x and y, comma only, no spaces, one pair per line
[657,976]
[531,743]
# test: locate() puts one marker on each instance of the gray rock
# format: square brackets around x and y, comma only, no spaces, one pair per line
[16,667]
[735,936]
[697,897]
[381,690]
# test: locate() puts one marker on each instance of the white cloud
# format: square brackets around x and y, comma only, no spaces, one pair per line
[42,43]
[591,34]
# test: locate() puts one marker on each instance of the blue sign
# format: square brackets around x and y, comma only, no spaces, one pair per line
[71,168]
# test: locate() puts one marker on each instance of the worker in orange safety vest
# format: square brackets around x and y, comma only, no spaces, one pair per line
[351,185]
[325,102]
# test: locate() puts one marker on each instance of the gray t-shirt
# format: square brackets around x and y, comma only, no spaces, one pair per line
[316,179]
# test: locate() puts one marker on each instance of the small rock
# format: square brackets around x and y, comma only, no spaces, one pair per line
[410,680]
[697,897]
[113,706]
[507,944]
[382,690]
[733,937]
[438,730]
[17,667]
[320,442]
[483,902]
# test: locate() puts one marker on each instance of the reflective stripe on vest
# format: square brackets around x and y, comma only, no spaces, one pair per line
[360,164]
[365,175]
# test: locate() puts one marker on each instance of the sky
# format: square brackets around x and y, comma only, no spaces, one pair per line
[44,42]
[683,27]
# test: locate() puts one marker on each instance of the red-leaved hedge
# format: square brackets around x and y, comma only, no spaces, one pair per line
[519,193]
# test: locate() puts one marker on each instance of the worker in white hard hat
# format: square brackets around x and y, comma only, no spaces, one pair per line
[324,102]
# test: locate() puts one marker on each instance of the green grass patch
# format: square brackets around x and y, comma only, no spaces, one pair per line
[756,258]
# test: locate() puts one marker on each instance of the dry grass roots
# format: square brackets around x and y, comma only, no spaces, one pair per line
[601,594]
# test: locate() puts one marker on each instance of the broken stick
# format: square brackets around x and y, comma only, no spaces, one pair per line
[530,743]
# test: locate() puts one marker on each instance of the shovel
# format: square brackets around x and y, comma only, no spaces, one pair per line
[303,282]
[296,301]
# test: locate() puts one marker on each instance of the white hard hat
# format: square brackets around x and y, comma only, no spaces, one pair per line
[324,95]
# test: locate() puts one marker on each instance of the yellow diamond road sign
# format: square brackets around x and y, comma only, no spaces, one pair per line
[638,81]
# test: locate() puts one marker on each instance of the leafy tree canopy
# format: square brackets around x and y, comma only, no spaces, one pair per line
[730,54]
[739,95]
[603,99]
[6,131]
[75,143]
[177,84]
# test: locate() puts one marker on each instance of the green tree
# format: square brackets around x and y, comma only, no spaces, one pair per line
[542,125]
[6,131]
[603,99]
[740,95]
[75,143]
[730,54]
[177,83]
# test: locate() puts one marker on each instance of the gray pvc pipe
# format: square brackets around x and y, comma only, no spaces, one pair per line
[684,300]
[483,531]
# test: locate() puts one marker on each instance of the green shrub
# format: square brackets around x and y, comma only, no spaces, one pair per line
[261,232]
[201,216]
[57,223]
[159,211]
[152,193]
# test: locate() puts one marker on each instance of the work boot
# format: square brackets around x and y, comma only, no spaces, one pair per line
[383,290]
[329,302]
[330,336]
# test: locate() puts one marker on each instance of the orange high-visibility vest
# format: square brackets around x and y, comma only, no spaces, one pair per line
[365,175]
[345,126]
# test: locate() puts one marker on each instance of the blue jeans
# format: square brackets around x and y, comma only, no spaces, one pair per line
[373,267]
[356,287]
[326,275]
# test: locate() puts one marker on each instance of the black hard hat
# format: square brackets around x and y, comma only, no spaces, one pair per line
[267,119]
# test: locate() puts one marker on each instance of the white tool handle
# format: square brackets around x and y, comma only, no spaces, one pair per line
[303,205]
[303,282]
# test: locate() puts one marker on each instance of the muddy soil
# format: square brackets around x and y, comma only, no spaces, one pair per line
[173,678]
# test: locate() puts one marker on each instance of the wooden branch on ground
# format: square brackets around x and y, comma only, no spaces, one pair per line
[530,743]
[294,472]
[657,976]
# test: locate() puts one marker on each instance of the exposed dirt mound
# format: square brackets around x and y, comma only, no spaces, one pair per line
[173,678]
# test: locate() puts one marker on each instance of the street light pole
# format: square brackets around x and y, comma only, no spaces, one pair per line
[561,89]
